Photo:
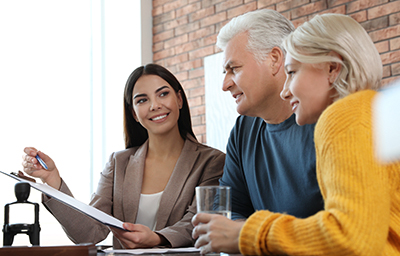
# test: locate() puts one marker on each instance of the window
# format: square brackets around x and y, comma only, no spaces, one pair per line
[64,66]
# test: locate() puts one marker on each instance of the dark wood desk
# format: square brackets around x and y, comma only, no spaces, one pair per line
[156,254]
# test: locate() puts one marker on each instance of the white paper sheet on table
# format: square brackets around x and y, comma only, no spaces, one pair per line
[153,250]
[72,202]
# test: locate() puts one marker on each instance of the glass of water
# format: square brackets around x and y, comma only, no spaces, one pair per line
[214,200]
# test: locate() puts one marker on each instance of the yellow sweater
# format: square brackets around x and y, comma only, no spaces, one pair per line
[362,197]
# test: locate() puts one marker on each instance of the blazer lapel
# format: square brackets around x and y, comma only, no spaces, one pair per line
[132,185]
[182,170]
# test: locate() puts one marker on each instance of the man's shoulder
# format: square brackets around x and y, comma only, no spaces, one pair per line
[248,122]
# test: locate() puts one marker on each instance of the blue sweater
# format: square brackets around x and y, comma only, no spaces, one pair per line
[271,166]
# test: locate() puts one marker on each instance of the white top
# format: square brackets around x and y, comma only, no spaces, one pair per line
[148,208]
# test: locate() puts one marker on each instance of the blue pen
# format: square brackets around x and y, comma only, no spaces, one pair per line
[41,162]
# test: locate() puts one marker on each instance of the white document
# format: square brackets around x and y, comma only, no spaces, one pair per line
[72,202]
[153,250]
[387,122]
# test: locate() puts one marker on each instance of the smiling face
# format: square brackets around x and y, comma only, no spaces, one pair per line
[308,88]
[254,85]
[156,105]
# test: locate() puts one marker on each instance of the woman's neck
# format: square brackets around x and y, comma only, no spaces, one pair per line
[165,146]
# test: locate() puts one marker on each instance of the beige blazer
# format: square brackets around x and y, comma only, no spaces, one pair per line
[119,189]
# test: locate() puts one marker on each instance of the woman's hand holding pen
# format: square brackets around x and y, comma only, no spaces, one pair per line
[32,167]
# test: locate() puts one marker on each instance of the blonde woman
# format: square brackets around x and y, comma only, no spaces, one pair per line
[333,71]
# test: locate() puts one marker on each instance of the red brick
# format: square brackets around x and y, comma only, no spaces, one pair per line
[386,71]
[159,2]
[186,47]
[159,62]
[200,110]
[203,119]
[182,76]
[176,59]
[395,44]
[375,24]
[385,9]
[394,19]
[266,3]
[176,41]
[193,83]
[389,80]
[359,16]
[175,23]
[287,15]
[163,54]
[187,28]
[201,33]
[195,92]
[189,65]
[290,4]
[158,46]
[340,9]
[196,120]
[200,129]
[210,20]
[298,22]
[332,3]
[202,52]
[396,69]
[163,18]
[363,4]
[158,28]
[194,73]
[188,9]
[163,36]
[390,57]
[385,33]
[241,9]
[209,3]
[157,11]
[382,46]
[308,9]
[196,101]
[203,13]
[174,5]
[228,4]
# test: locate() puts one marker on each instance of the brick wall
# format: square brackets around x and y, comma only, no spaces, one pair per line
[185,31]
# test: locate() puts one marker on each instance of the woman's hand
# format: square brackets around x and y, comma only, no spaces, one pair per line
[138,236]
[216,233]
[32,167]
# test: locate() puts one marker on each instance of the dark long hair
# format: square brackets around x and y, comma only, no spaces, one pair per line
[135,134]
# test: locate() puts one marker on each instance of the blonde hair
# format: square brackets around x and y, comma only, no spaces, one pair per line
[314,40]
[266,29]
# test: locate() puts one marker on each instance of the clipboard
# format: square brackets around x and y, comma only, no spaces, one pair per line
[88,210]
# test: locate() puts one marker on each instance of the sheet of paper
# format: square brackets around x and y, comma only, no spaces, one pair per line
[153,250]
[387,122]
[72,202]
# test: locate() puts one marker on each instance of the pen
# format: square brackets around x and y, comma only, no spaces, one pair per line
[41,162]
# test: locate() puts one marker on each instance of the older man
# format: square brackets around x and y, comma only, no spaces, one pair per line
[270,161]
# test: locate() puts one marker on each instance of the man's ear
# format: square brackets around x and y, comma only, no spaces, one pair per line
[277,59]
[334,68]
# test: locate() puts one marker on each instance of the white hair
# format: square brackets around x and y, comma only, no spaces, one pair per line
[314,40]
[266,29]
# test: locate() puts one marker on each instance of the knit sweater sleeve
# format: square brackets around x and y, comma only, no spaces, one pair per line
[355,188]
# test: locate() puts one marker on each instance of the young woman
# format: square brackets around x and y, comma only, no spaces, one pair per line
[152,182]
[333,71]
